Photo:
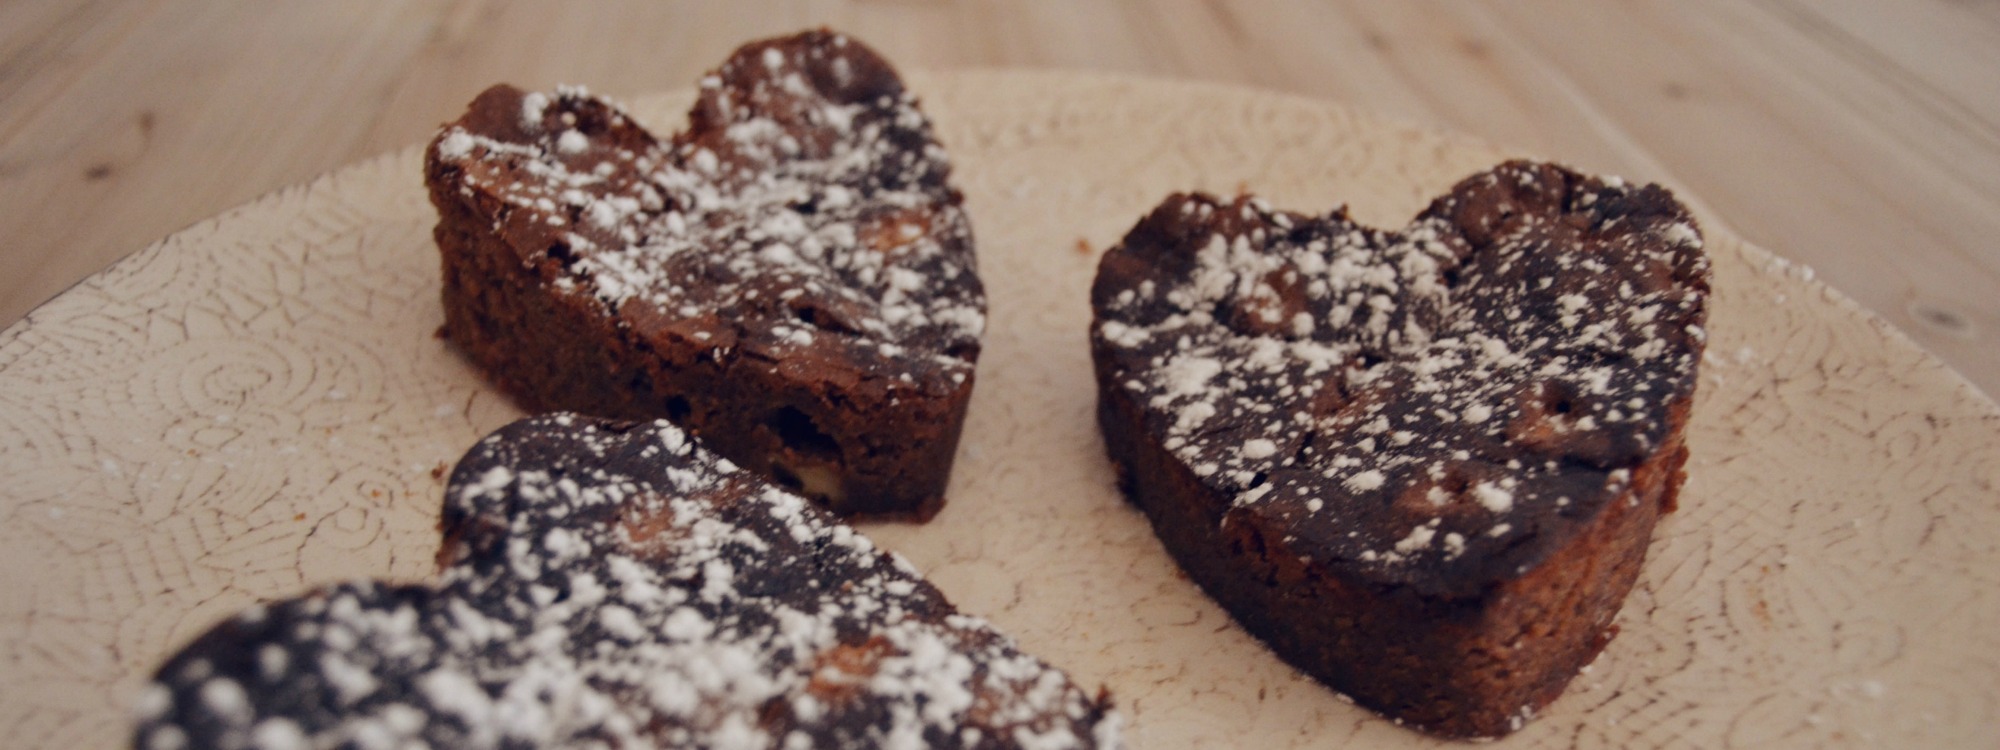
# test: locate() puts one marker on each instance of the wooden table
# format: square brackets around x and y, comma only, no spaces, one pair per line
[1858,137]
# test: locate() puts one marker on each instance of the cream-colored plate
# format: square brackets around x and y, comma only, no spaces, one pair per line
[258,404]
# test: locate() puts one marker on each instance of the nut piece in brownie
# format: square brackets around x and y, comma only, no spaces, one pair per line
[1424,465]
[611,584]
[791,278]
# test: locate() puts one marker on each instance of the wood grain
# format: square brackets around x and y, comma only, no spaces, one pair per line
[258,403]
[1859,138]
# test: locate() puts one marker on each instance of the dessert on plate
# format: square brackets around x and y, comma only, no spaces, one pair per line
[1422,465]
[791,277]
[613,584]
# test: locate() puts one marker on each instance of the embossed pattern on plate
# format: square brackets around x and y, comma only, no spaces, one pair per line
[258,404]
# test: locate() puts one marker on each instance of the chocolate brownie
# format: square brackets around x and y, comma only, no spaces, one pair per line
[1423,466]
[791,278]
[612,584]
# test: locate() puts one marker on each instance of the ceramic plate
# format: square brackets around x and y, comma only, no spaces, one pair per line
[259,404]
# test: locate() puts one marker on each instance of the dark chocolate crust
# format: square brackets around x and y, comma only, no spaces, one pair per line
[792,278]
[1423,466]
[612,584]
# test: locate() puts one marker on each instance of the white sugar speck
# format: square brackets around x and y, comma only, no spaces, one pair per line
[1365,481]
[1418,538]
[1493,497]
[1259,448]
[226,701]
[455,145]
[1681,234]
[279,733]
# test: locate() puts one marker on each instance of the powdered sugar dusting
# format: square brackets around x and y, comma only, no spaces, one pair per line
[1511,346]
[823,212]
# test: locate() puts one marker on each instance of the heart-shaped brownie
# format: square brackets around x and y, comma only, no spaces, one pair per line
[612,584]
[792,278]
[1423,466]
